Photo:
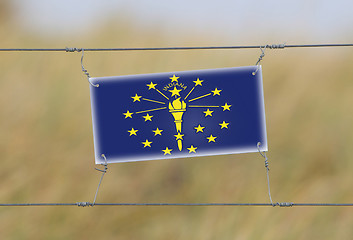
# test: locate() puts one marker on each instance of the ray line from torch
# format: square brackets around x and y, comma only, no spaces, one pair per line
[198,106]
[206,95]
[189,93]
[161,93]
[150,100]
[150,110]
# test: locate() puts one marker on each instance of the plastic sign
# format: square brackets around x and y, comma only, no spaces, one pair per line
[178,114]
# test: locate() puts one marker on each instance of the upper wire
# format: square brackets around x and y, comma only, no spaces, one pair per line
[270,46]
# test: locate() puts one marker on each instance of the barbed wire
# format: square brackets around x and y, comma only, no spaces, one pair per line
[268,46]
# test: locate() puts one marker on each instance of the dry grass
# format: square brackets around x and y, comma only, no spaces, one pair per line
[46,148]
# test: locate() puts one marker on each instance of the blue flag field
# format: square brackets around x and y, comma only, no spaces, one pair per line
[178,114]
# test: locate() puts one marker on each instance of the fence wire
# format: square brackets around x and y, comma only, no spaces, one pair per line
[89,204]
[268,46]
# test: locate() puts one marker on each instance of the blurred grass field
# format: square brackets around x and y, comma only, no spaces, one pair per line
[46,146]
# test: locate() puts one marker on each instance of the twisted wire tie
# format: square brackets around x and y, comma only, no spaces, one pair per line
[105,164]
[284,204]
[68,49]
[84,204]
[262,55]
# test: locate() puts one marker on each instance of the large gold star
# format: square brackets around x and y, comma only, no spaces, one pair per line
[226,107]
[199,128]
[175,91]
[216,92]
[128,114]
[198,82]
[157,132]
[148,117]
[151,86]
[224,125]
[211,138]
[174,78]
[208,112]
[192,149]
[137,98]
[146,143]
[179,136]
[133,131]
[167,151]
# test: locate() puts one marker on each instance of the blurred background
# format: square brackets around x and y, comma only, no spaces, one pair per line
[46,142]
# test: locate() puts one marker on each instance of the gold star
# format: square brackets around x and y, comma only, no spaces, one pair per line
[175,91]
[208,112]
[216,92]
[198,82]
[133,131]
[199,128]
[128,114]
[224,125]
[174,78]
[146,143]
[211,138]
[157,132]
[226,107]
[137,98]
[192,149]
[167,151]
[179,136]
[151,86]
[148,117]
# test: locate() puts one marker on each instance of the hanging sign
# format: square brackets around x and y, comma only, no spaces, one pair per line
[178,114]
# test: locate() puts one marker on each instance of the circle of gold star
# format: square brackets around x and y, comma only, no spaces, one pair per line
[136,98]
[208,112]
[216,92]
[224,125]
[133,132]
[146,143]
[192,149]
[157,132]
[175,91]
[151,86]
[148,117]
[198,82]
[174,78]
[226,107]
[211,138]
[179,136]
[199,128]
[128,114]
[167,151]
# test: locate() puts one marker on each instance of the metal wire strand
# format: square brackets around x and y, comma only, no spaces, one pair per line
[86,204]
[103,172]
[270,46]
[263,154]
[82,67]
[260,59]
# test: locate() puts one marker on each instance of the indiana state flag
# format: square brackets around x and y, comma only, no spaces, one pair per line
[178,114]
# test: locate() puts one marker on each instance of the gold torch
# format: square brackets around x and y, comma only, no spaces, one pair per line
[177,109]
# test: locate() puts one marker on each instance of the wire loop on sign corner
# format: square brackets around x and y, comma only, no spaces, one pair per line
[85,71]
[105,164]
[263,154]
[262,55]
